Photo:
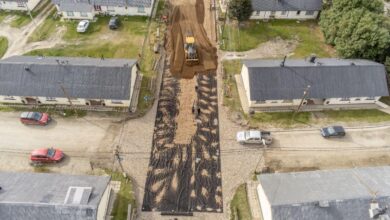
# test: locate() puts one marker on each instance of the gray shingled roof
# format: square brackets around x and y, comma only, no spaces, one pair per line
[286,5]
[347,191]
[88,78]
[72,7]
[42,196]
[78,5]
[329,78]
[15,0]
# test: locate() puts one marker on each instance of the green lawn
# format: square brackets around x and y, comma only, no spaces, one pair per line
[45,30]
[3,46]
[99,40]
[307,33]
[239,205]
[369,115]
[124,197]
[231,97]
[280,119]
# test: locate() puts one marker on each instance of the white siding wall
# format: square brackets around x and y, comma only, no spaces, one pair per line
[121,10]
[245,80]
[283,15]
[264,204]
[6,5]
[77,15]
[352,100]
[117,103]
[11,99]
[103,205]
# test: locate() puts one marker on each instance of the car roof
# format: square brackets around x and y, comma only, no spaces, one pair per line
[83,22]
[28,114]
[42,151]
[338,128]
[254,134]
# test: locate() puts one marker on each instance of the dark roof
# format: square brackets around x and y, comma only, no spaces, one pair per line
[286,5]
[306,195]
[80,4]
[45,196]
[328,78]
[88,78]
[71,6]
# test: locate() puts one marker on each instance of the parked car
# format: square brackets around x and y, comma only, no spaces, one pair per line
[82,26]
[333,131]
[254,137]
[114,23]
[35,118]
[46,155]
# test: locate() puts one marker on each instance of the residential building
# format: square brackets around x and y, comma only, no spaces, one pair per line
[48,196]
[314,83]
[68,80]
[87,9]
[324,195]
[18,5]
[286,9]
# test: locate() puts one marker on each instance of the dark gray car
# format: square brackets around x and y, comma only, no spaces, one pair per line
[114,23]
[333,131]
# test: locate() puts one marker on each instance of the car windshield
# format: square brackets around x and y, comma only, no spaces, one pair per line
[36,116]
[51,152]
[247,134]
[331,130]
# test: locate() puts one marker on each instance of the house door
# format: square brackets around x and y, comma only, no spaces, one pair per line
[96,102]
[31,100]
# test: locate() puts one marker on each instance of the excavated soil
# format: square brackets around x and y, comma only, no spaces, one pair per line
[188,17]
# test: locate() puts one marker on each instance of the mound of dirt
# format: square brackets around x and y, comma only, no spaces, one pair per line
[185,18]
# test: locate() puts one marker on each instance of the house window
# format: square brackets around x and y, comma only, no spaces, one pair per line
[284,13]
[69,13]
[141,9]
[370,98]
[357,99]
[83,14]
[110,9]
[21,4]
[116,102]
[257,13]
[344,99]
[50,99]
[260,102]
[309,13]
[298,12]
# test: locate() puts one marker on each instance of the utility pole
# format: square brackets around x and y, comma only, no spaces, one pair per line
[68,97]
[305,93]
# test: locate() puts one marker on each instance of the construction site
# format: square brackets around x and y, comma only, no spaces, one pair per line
[184,173]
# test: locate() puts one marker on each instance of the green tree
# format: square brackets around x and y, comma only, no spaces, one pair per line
[240,9]
[357,28]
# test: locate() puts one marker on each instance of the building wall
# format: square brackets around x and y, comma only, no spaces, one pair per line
[264,204]
[245,80]
[352,100]
[77,15]
[122,10]
[7,5]
[63,101]
[103,205]
[284,15]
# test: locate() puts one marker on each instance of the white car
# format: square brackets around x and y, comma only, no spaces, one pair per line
[254,137]
[82,26]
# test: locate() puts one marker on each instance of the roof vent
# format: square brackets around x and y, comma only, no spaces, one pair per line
[78,195]
[353,64]
[283,61]
[312,58]
[27,68]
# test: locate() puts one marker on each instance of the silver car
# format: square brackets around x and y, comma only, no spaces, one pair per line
[254,137]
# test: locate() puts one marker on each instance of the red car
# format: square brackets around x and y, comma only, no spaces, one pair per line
[47,155]
[35,118]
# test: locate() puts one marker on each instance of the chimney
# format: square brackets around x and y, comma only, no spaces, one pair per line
[312,58]
[283,61]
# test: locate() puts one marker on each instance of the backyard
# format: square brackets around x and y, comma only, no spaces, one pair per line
[3,46]
[307,35]
[23,18]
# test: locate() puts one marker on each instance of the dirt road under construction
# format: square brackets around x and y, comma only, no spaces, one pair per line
[184,173]
[188,16]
